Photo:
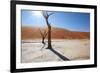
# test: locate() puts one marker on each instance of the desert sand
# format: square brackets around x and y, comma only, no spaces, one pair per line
[56,33]
[75,49]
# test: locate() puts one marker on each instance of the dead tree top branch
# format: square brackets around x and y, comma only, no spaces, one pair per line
[46,15]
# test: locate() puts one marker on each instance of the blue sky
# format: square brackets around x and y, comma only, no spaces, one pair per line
[74,21]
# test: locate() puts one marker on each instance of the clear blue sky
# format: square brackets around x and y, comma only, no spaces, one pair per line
[74,21]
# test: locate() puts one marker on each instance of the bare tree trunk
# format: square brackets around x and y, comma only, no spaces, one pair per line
[49,35]
[49,38]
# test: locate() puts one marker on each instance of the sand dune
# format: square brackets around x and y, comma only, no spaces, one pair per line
[57,33]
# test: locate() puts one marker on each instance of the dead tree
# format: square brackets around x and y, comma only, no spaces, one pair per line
[43,35]
[46,16]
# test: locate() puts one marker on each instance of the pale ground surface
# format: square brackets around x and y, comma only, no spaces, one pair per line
[72,49]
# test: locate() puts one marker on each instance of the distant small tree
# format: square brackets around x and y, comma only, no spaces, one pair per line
[43,35]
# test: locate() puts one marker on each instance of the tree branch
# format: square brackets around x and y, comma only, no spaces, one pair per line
[41,32]
[50,14]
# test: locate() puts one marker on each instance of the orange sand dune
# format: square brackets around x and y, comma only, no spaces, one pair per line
[57,33]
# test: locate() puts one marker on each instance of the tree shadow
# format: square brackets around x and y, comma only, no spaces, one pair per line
[55,52]
[59,55]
